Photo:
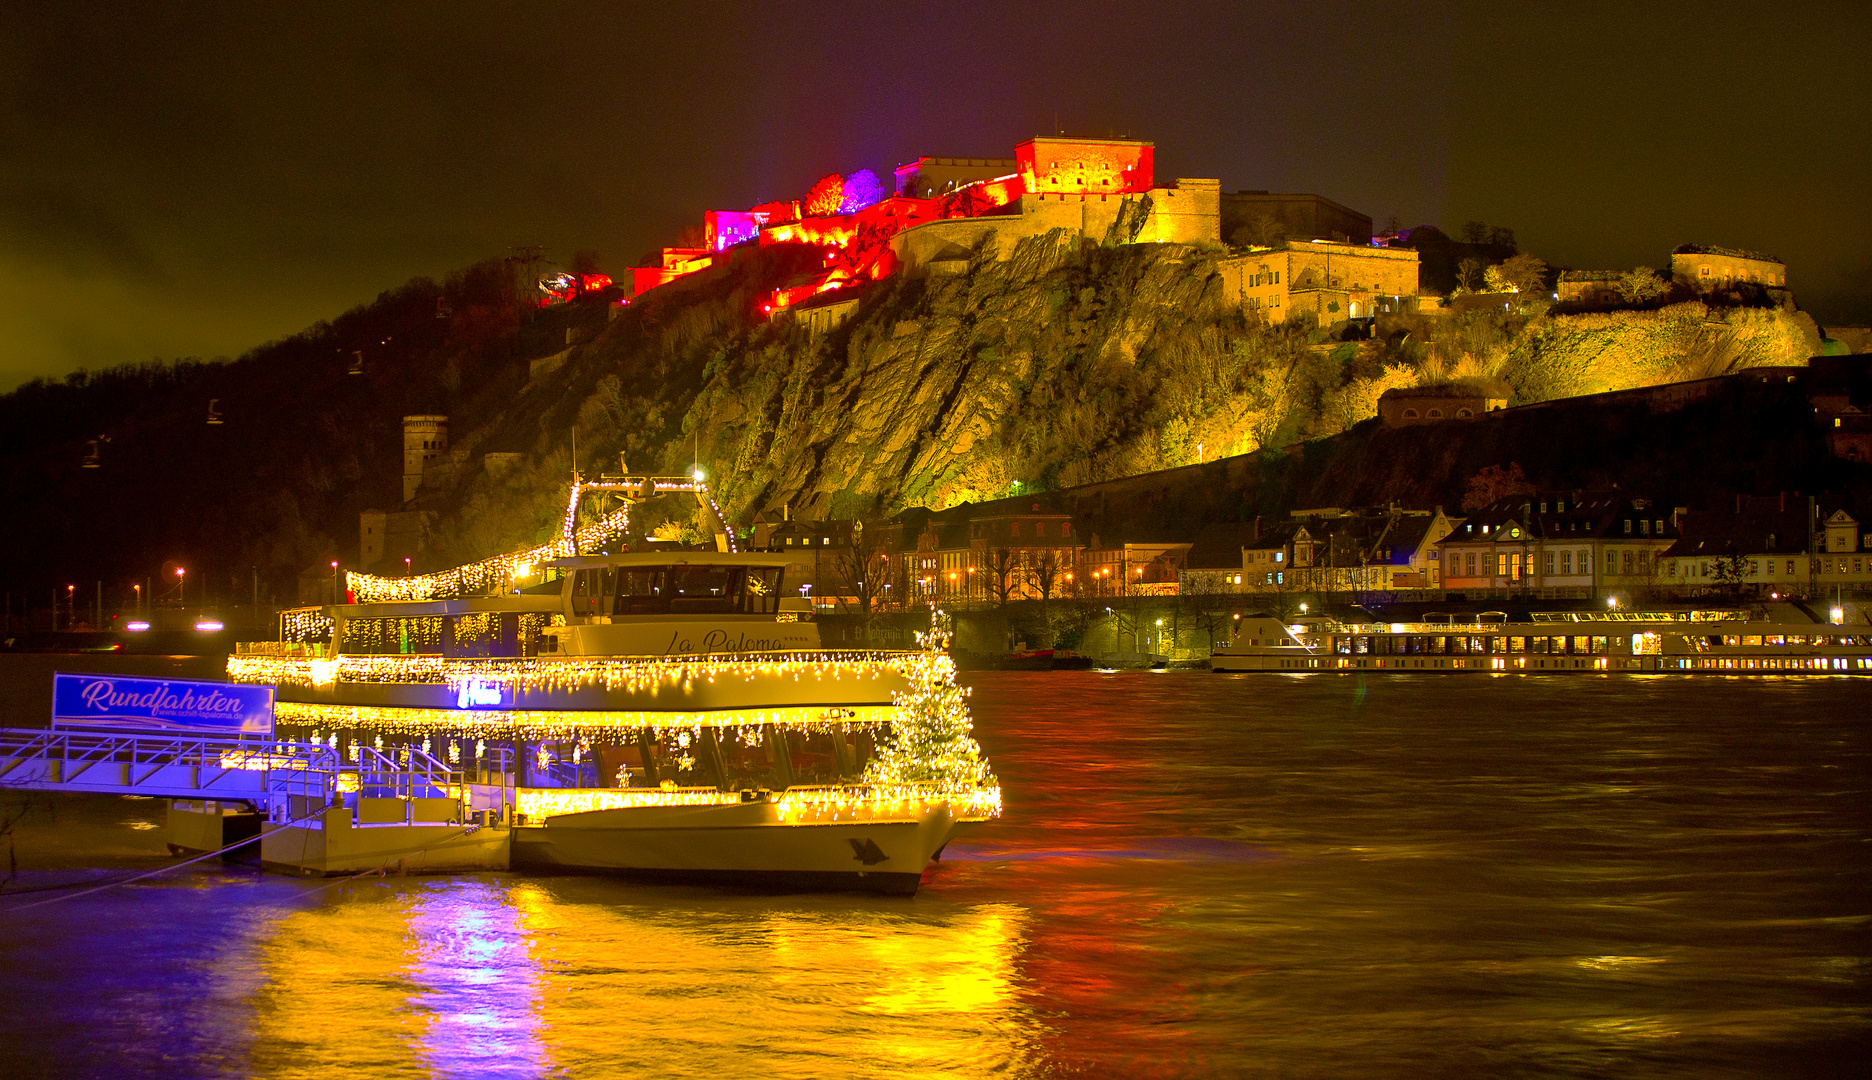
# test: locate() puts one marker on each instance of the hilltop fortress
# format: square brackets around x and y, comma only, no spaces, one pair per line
[943,211]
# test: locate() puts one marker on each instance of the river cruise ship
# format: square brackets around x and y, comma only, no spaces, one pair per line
[1689,642]
[663,714]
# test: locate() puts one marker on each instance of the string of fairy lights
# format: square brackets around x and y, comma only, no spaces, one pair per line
[629,674]
[500,572]
[533,725]
[925,756]
[796,806]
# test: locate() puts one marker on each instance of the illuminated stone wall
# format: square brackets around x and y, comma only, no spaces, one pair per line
[1714,267]
[1057,164]
[1186,214]
[1190,213]
[1334,281]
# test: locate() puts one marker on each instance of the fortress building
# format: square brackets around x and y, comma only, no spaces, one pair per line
[425,440]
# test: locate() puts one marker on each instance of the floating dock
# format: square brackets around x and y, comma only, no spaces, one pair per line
[311,813]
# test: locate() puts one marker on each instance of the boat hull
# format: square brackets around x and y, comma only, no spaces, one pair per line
[743,844]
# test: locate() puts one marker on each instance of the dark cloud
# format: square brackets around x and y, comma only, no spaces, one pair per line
[194,179]
[70,235]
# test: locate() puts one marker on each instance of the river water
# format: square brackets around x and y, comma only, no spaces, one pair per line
[1195,875]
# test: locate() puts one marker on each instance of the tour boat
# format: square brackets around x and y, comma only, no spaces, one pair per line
[666,715]
[1686,642]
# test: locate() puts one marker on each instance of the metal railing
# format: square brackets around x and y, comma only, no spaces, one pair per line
[173,766]
[264,771]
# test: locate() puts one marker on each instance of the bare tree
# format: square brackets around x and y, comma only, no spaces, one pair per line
[865,565]
[1002,570]
[1045,569]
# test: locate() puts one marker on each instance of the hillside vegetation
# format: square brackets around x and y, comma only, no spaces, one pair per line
[1068,363]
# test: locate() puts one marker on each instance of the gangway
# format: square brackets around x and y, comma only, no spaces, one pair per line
[259,771]
[272,775]
[313,810]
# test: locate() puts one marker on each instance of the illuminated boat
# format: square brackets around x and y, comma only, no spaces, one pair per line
[663,715]
[1688,642]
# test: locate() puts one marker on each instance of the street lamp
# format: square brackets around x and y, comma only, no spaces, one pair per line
[180,592]
[335,597]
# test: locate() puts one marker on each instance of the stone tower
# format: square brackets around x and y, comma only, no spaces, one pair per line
[425,438]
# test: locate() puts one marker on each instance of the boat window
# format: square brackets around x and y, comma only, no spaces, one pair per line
[1752,639]
[763,590]
[583,600]
[1599,645]
[711,589]
[640,590]
[607,588]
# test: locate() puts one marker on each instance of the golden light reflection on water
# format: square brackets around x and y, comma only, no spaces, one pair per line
[492,976]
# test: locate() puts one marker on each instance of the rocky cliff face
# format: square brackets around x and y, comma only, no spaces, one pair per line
[1065,363]
[1569,355]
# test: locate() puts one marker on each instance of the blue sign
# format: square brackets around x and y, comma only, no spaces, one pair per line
[476,694]
[120,701]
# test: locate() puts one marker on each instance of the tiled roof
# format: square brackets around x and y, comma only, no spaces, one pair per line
[1733,253]
[1588,514]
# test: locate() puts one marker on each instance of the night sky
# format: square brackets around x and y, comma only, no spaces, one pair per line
[182,180]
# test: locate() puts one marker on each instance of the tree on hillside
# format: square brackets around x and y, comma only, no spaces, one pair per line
[825,197]
[1494,482]
[861,189]
[1641,284]
[1523,274]
[1470,274]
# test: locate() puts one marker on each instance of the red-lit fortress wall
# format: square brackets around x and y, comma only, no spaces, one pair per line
[946,205]
[930,177]
[1112,166]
